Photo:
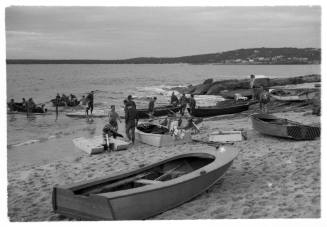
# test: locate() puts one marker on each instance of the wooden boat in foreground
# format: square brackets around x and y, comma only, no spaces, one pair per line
[280,127]
[208,111]
[158,111]
[144,192]
[159,136]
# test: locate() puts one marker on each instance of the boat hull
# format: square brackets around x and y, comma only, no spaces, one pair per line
[161,140]
[158,111]
[291,130]
[82,114]
[144,202]
[218,110]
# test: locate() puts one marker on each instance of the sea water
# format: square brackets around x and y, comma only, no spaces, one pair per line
[41,138]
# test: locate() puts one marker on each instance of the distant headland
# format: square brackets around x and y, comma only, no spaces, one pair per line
[250,56]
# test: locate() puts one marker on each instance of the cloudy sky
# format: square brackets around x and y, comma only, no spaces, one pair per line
[126,32]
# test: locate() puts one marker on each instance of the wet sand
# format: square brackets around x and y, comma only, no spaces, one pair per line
[270,178]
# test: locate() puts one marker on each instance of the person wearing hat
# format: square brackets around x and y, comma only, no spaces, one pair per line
[130,101]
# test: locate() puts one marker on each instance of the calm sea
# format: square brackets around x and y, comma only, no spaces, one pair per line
[41,136]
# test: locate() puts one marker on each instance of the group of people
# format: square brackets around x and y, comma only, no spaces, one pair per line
[28,106]
[131,120]
[183,101]
[64,100]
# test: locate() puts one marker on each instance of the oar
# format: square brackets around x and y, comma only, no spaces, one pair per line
[169,172]
[118,183]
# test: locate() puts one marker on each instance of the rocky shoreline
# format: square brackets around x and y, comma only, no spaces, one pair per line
[227,88]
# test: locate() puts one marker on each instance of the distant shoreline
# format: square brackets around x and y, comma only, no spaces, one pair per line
[105,62]
[251,56]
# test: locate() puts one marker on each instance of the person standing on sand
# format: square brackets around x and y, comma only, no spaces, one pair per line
[183,102]
[130,101]
[264,99]
[114,118]
[130,120]
[174,99]
[252,80]
[192,103]
[151,106]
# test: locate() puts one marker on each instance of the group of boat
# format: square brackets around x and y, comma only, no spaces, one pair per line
[151,190]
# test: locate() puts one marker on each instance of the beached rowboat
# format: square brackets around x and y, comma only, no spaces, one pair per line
[288,95]
[208,111]
[280,127]
[146,191]
[158,111]
[159,136]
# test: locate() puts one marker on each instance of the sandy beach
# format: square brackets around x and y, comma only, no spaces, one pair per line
[270,178]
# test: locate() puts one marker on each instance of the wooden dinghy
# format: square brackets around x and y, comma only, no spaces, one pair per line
[144,192]
[158,111]
[82,114]
[280,127]
[288,95]
[208,111]
[159,136]
[94,145]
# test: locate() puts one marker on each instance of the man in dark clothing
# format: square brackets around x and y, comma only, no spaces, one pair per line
[183,102]
[90,99]
[130,101]
[130,120]
[192,103]
[151,106]
[174,99]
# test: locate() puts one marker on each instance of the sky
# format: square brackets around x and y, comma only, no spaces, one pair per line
[126,32]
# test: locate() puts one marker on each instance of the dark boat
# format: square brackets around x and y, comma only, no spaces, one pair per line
[158,111]
[220,109]
[280,127]
[144,192]
[63,103]
[18,108]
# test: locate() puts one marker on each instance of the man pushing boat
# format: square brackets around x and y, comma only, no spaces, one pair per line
[110,129]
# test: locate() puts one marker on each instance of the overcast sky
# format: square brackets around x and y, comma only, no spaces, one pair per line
[118,32]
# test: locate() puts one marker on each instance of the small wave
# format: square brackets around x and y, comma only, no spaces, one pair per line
[23,143]
[40,140]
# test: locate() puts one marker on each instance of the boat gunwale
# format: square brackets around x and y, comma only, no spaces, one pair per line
[189,176]
[116,175]
[221,107]
[294,123]
[210,167]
